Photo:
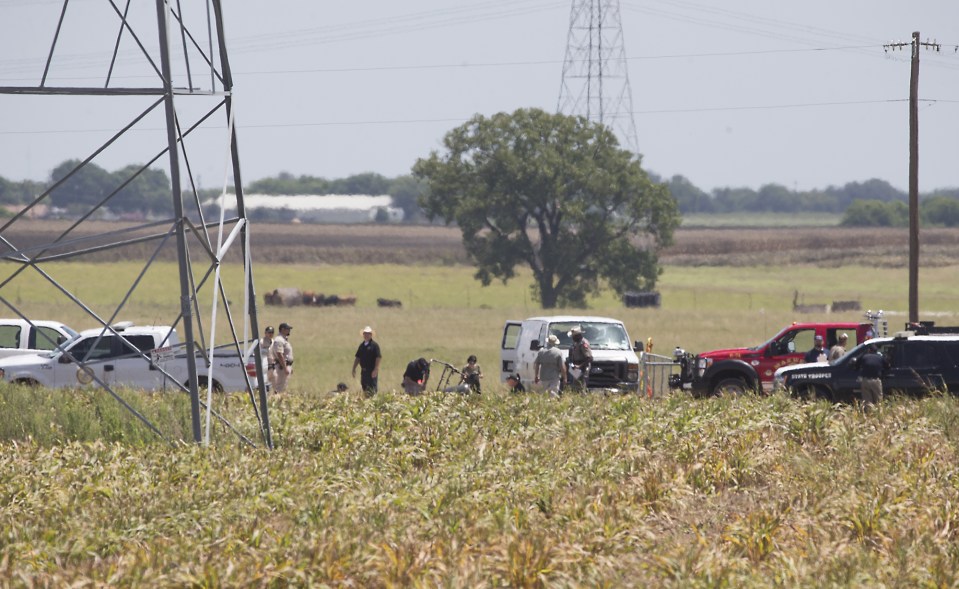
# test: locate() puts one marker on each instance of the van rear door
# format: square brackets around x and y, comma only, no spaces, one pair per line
[508,354]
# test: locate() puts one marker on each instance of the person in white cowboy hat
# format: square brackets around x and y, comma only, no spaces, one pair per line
[368,358]
[549,368]
[839,350]
[580,358]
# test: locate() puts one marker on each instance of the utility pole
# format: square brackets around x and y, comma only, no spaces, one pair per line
[595,81]
[914,46]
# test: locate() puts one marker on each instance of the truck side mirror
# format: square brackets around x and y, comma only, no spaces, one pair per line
[534,345]
[639,346]
[64,359]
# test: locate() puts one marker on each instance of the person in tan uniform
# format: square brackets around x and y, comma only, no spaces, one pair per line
[283,357]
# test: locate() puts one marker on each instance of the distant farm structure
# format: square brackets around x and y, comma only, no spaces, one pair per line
[315,208]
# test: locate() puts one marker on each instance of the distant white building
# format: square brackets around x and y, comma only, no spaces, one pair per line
[318,208]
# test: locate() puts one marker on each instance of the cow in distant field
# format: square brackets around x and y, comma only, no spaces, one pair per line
[346,301]
[389,303]
[309,297]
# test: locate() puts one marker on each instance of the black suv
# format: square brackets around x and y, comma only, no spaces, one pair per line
[915,365]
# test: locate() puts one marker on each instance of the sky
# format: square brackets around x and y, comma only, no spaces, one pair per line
[737,93]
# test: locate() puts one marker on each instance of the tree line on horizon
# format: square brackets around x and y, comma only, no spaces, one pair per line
[870,203]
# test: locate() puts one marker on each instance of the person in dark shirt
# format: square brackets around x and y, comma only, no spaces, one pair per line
[368,358]
[515,384]
[416,376]
[579,359]
[871,365]
[471,375]
[817,353]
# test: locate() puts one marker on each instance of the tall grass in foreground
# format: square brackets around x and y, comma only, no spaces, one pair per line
[501,490]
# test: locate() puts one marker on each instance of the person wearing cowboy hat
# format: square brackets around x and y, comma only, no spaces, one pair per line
[266,356]
[283,355]
[580,358]
[839,350]
[549,368]
[368,359]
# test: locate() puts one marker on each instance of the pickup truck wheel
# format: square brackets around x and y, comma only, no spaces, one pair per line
[730,387]
[201,383]
[27,382]
[811,392]
[821,393]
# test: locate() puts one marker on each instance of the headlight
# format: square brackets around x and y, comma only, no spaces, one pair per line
[632,372]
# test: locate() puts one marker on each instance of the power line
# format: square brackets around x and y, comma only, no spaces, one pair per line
[498,64]
[457,120]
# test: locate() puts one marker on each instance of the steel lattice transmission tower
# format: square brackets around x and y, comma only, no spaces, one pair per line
[595,75]
[156,77]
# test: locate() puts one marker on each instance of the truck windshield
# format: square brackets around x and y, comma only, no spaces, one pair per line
[601,336]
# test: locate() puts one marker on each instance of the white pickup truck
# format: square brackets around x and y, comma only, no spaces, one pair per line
[615,364]
[19,336]
[143,357]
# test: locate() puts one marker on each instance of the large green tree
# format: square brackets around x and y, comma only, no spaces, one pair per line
[555,193]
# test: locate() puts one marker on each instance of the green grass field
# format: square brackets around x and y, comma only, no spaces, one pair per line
[495,490]
[447,315]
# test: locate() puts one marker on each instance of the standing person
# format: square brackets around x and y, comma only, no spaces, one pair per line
[817,353]
[266,356]
[839,350]
[549,367]
[471,375]
[871,365]
[416,376]
[368,358]
[283,356]
[580,358]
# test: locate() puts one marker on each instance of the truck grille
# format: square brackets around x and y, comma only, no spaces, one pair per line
[607,374]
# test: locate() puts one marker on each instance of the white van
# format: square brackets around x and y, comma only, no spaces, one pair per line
[615,363]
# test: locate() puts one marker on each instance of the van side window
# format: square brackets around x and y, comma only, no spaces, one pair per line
[511,336]
[10,336]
